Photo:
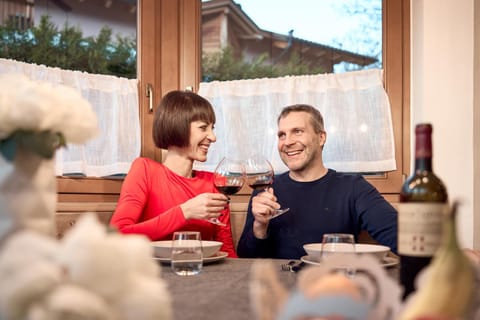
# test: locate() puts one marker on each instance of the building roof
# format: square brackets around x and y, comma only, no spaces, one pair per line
[250,31]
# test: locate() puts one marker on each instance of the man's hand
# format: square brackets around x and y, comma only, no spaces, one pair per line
[263,206]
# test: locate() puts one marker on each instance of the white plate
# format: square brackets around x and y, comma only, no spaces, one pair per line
[387,261]
[220,255]
[315,249]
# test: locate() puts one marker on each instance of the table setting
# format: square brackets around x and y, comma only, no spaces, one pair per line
[162,251]
[382,253]
[243,288]
[360,284]
[96,273]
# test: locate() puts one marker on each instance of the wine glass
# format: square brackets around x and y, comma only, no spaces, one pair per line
[228,178]
[260,176]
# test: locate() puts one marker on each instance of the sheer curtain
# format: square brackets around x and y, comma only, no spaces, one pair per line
[354,105]
[114,100]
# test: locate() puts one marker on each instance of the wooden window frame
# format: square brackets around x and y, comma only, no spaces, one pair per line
[169,57]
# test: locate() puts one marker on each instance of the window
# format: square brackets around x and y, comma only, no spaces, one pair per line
[16,13]
[237,45]
[102,35]
[169,57]
[243,39]
[251,39]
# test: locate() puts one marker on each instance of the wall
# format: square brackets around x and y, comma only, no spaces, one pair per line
[90,16]
[476,126]
[442,90]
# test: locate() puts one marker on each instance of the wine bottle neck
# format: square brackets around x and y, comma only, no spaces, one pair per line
[423,148]
[423,164]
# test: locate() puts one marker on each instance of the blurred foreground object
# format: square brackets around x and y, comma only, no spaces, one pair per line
[325,292]
[36,118]
[448,286]
[89,274]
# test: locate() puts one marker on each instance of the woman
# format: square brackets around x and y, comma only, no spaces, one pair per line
[158,199]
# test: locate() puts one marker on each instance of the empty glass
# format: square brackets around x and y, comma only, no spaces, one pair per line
[187,255]
[334,243]
[339,244]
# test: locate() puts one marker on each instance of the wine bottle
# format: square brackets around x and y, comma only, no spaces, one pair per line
[448,289]
[423,201]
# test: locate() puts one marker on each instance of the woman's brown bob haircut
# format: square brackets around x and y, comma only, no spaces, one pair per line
[171,124]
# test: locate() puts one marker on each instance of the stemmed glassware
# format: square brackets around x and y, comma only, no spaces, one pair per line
[259,175]
[228,178]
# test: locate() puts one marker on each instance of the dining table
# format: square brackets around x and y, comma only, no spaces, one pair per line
[222,289]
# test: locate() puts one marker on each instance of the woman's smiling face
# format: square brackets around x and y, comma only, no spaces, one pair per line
[201,136]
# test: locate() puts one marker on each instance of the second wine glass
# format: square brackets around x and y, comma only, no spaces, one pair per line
[228,178]
[259,175]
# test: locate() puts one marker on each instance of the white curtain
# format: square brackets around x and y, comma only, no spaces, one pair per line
[354,105]
[114,100]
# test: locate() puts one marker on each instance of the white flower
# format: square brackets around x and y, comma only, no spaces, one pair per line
[40,106]
[27,272]
[90,274]
[73,302]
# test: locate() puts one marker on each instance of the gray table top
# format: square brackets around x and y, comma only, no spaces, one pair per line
[221,290]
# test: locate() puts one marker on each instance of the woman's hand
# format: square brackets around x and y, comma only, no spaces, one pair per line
[204,206]
[263,206]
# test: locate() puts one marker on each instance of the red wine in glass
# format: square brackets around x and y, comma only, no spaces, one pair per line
[259,173]
[259,185]
[228,190]
[260,180]
[228,178]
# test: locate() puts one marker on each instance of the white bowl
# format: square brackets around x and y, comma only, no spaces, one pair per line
[377,250]
[163,249]
[314,250]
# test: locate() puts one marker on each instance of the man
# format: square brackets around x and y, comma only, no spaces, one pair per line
[321,200]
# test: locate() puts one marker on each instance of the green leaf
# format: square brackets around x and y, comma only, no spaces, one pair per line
[8,148]
[43,143]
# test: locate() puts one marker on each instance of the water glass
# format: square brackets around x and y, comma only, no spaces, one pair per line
[187,255]
[335,243]
[339,244]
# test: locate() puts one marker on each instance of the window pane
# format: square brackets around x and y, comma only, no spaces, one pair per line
[253,39]
[97,38]
[94,36]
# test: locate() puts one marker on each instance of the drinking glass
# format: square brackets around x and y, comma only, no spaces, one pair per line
[187,255]
[339,244]
[334,243]
[259,175]
[228,178]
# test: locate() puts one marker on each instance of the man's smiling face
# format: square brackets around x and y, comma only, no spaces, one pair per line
[299,145]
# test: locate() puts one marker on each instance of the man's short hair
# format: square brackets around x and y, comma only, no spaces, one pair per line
[316,117]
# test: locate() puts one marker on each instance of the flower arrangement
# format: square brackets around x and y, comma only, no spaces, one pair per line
[88,274]
[41,117]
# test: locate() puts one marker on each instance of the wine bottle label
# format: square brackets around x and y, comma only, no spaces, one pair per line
[420,228]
